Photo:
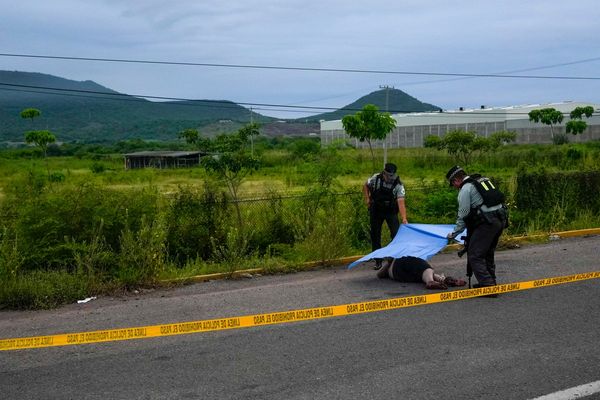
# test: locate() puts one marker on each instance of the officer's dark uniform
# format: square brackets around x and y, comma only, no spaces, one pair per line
[484,223]
[384,197]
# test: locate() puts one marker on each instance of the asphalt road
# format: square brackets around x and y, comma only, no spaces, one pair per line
[518,346]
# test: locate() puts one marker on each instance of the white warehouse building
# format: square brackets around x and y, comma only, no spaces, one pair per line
[411,129]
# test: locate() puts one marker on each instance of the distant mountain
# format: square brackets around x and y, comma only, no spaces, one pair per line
[397,102]
[87,111]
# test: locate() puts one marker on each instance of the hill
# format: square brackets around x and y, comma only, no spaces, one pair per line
[397,102]
[87,111]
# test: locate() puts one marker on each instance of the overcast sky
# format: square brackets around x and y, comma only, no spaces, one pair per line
[542,38]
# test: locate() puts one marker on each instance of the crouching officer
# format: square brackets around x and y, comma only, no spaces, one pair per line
[384,197]
[482,212]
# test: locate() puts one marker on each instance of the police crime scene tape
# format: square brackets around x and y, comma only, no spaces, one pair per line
[219,324]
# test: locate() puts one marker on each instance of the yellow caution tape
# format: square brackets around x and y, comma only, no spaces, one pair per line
[219,324]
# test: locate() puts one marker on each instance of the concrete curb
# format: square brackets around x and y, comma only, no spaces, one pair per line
[348,260]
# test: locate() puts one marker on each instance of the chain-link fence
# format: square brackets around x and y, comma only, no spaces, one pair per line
[318,224]
[52,227]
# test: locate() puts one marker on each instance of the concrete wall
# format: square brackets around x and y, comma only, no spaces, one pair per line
[412,129]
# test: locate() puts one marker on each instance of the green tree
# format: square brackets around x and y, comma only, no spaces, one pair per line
[458,143]
[502,137]
[30,113]
[433,142]
[547,116]
[189,135]
[193,137]
[41,139]
[576,125]
[248,132]
[368,125]
[232,163]
[462,145]
[305,148]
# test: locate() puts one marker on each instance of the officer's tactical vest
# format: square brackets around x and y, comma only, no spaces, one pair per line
[382,195]
[491,195]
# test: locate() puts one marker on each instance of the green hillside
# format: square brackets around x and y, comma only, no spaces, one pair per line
[88,112]
[397,101]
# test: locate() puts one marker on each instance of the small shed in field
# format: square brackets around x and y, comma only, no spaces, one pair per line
[162,159]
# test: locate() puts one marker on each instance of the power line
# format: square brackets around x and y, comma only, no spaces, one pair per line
[141,97]
[274,67]
[509,72]
[213,103]
[587,60]
[179,101]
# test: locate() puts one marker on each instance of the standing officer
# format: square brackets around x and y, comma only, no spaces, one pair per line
[384,196]
[481,211]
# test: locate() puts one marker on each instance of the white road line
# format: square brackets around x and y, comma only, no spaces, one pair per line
[577,392]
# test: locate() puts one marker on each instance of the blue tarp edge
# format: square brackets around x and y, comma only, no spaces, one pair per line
[417,240]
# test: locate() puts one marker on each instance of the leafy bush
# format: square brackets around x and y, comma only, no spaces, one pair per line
[64,241]
[271,223]
[52,222]
[327,240]
[557,197]
[439,204]
[56,177]
[542,190]
[359,227]
[192,219]
[94,259]
[574,154]
[142,255]
[560,138]
[97,168]
[231,251]
[10,258]
[305,147]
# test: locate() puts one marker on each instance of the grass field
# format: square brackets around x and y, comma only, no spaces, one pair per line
[77,226]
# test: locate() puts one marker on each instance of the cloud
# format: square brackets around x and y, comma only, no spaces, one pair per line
[438,36]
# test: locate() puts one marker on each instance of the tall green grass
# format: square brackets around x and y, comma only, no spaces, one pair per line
[103,228]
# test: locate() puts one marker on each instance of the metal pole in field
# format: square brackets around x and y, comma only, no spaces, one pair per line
[251,136]
[387,108]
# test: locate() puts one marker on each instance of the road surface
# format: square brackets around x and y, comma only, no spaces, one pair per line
[520,345]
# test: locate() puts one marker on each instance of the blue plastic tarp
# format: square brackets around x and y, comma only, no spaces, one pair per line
[417,240]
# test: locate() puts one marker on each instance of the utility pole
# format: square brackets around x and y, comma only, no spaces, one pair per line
[251,136]
[387,109]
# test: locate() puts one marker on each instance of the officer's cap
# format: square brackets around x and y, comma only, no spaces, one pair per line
[389,172]
[452,173]
[390,168]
